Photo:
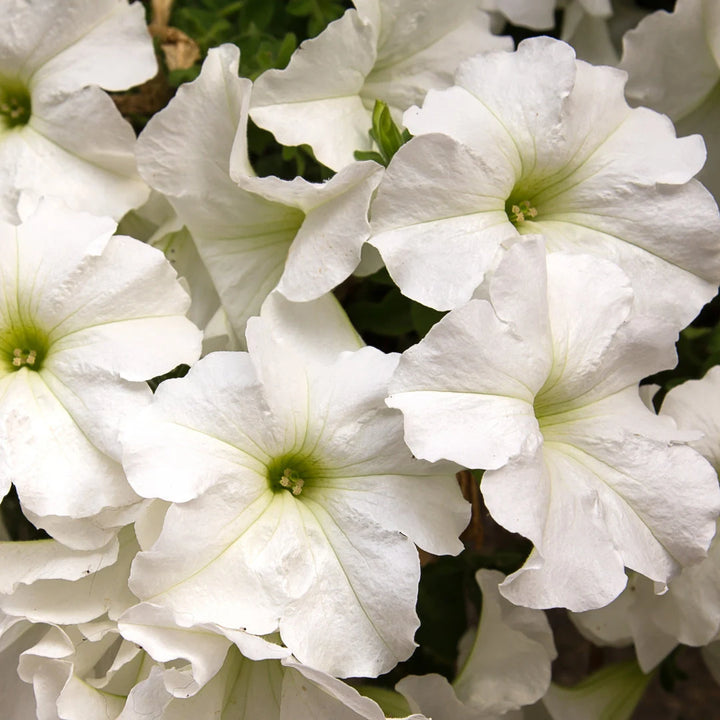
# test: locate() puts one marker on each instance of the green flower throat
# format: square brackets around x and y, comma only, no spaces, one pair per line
[15,104]
[26,348]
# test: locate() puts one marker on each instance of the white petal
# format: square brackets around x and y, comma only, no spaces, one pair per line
[439,218]
[308,693]
[313,101]
[26,562]
[190,438]
[509,664]
[467,390]
[319,330]
[327,247]
[694,406]
[69,601]
[74,44]
[420,46]
[76,147]
[53,464]
[658,53]
[368,624]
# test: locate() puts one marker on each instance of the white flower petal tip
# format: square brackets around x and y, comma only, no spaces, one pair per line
[546,400]
[60,135]
[490,160]
[292,452]
[87,319]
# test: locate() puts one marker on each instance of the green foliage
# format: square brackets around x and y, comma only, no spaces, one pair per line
[669,672]
[269,158]
[384,316]
[178,372]
[16,524]
[266,31]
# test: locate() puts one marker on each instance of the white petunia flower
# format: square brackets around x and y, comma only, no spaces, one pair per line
[539,387]
[538,142]
[252,233]
[60,134]
[507,667]
[296,504]
[390,50]
[82,671]
[86,319]
[673,64]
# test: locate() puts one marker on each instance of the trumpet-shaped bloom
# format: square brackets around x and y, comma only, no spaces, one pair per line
[538,142]
[545,398]
[390,50]
[507,667]
[60,134]
[252,234]
[295,501]
[86,319]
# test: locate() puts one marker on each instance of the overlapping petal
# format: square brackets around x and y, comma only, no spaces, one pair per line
[392,50]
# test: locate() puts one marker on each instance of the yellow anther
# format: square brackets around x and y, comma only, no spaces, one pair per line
[292,481]
[523,210]
[22,357]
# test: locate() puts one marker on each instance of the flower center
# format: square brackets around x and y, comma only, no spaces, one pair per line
[520,212]
[290,480]
[15,104]
[23,356]
[292,473]
[26,348]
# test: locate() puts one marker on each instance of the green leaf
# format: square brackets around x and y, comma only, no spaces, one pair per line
[390,316]
[369,155]
[423,318]
[385,133]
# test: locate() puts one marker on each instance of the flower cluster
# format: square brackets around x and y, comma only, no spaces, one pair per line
[225,486]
